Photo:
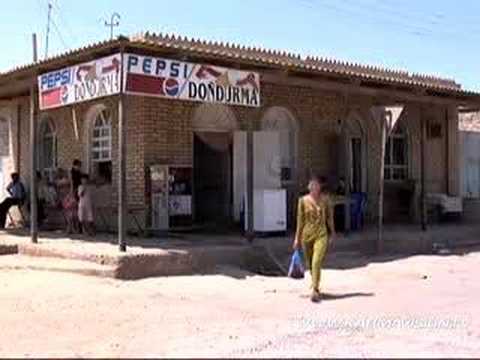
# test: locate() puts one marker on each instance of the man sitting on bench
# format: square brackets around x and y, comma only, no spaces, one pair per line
[17,194]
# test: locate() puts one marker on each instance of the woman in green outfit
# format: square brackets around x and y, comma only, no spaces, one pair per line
[315,229]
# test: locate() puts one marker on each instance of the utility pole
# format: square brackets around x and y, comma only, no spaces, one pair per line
[122,176]
[49,18]
[33,157]
[114,22]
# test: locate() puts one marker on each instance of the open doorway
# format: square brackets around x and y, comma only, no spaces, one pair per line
[213,195]
[356,165]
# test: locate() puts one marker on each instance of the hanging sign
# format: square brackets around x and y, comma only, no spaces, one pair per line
[87,81]
[151,76]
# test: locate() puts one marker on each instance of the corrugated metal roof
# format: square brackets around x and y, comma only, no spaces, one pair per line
[60,57]
[291,60]
[260,56]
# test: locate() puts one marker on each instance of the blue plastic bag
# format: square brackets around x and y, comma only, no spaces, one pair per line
[296,269]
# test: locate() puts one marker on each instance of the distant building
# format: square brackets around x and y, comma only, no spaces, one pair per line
[469,126]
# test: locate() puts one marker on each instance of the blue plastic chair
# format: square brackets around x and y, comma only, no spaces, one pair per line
[357,210]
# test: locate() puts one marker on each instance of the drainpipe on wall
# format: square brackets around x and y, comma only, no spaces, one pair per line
[422,174]
[250,184]
[18,149]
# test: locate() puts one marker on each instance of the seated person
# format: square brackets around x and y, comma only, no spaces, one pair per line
[17,196]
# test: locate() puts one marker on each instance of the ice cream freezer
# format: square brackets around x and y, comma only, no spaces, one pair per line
[269,212]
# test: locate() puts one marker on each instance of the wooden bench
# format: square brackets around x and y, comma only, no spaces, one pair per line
[11,219]
[132,213]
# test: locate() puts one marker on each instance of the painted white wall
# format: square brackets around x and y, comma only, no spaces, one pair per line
[471,165]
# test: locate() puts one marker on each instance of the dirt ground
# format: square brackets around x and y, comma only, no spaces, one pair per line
[423,306]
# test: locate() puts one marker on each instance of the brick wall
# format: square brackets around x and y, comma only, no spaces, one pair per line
[161,132]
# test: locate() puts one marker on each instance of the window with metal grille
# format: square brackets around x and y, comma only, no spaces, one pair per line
[396,156]
[102,146]
[102,138]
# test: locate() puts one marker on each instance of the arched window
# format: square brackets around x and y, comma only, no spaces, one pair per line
[48,148]
[396,155]
[101,146]
[280,120]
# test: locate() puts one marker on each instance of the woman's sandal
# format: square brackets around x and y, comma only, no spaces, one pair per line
[316,297]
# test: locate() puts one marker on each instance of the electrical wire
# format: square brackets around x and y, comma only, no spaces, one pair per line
[375,18]
[60,36]
[63,21]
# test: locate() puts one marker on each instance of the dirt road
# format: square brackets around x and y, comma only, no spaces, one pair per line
[418,306]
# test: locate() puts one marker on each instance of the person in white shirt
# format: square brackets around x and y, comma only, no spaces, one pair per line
[17,193]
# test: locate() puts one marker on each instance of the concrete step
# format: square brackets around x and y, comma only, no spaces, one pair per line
[136,263]
[31,263]
[8,249]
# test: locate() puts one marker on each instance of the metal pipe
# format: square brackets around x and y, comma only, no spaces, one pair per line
[422,173]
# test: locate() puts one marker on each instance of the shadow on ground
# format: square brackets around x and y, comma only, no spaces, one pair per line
[330,296]
[236,258]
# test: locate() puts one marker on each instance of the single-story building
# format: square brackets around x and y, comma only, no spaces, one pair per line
[469,126]
[188,105]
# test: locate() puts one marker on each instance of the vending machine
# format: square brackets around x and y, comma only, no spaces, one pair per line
[171,196]
[180,196]
[159,190]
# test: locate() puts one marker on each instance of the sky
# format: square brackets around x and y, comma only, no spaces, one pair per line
[437,37]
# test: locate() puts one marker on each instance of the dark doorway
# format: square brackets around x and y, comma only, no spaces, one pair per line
[213,178]
[356,158]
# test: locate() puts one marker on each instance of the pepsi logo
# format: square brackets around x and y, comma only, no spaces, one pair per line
[171,87]
[64,94]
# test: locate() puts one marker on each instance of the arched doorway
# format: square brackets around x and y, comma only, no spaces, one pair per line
[355,141]
[281,121]
[213,127]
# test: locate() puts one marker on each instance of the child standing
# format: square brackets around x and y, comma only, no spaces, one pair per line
[67,201]
[85,208]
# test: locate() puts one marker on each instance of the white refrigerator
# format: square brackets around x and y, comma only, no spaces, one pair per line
[270,211]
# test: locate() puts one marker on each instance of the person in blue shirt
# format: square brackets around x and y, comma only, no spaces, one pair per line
[17,195]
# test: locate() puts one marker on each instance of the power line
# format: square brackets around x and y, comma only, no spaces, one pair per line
[348,14]
[64,22]
[49,17]
[412,29]
[437,19]
[59,34]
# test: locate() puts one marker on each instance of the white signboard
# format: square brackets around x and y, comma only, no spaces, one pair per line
[180,205]
[151,76]
[87,81]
